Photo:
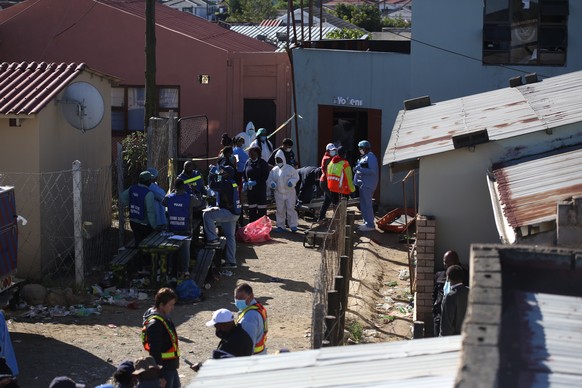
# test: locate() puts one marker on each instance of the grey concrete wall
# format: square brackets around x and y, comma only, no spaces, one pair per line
[380,80]
[443,28]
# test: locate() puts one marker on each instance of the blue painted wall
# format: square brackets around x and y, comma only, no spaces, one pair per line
[445,63]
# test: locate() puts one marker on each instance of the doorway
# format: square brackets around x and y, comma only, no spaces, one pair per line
[263,114]
[347,127]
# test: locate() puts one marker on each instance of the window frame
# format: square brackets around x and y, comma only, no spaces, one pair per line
[123,108]
[507,41]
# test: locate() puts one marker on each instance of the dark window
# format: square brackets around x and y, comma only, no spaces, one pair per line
[525,32]
[127,106]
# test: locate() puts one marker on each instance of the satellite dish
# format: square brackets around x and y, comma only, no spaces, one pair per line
[83,106]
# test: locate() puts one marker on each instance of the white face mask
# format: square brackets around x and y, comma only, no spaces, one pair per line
[362,152]
[280,165]
[287,149]
[332,153]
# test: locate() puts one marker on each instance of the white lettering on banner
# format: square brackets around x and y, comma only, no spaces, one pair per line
[339,100]
[177,204]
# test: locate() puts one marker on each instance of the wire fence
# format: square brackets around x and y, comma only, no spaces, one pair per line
[332,280]
[47,242]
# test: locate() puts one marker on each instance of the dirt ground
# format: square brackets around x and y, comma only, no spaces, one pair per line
[88,349]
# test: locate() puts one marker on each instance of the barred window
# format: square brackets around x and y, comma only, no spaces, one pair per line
[525,32]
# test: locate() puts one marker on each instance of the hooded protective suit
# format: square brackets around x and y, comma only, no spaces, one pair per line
[284,178]
[249,134]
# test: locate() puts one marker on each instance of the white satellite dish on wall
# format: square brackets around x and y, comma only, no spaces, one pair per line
[83,106]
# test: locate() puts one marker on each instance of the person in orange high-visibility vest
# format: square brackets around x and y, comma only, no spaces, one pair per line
[252,317]
[159,336]
[339,176]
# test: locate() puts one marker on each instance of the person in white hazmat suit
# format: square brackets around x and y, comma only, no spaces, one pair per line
[283,179]
[248,134]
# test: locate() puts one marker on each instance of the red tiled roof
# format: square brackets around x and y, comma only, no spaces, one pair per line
[26,88]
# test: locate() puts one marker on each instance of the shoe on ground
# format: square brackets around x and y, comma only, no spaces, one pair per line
[279,229]
[366,228]
[294,229]
[213,243]
[229,266]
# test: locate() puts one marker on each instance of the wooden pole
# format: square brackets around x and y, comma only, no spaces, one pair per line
[333,303]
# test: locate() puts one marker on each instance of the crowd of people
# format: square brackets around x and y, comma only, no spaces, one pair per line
[256,173]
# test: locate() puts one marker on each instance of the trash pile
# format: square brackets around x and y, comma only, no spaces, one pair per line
[397,302]
[40,303]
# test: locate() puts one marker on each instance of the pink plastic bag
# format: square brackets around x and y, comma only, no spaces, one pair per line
[256,232]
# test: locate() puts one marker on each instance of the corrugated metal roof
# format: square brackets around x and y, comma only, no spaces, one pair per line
[528,192]
[417,363]
[271,33]
[192,26]
[504,113]
[270,23]
[26,88]
[551,339]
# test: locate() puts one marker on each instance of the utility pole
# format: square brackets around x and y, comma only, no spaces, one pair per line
[150,107]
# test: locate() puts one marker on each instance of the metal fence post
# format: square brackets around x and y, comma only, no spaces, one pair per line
[78,223]
[121,213]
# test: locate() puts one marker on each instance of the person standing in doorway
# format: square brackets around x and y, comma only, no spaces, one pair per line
[287,149]
[330,152]
[366,178]
[339,176]
[263,143]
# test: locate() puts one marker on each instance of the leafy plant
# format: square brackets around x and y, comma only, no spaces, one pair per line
[364,16]
[135,151]
[345,33]
[392,283]
[396,22]
[356,331]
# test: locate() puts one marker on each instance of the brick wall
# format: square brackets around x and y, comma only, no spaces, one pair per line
[424,271]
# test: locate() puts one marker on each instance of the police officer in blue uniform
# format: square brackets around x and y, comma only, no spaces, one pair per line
[180,204]
[142,212]
[226,212]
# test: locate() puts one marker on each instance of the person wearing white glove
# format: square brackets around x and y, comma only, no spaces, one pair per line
[283,179]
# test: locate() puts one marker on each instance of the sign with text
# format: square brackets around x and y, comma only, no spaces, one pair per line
[339,100]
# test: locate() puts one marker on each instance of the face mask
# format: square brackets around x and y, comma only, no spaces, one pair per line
[362,151]
[262,138]
[254,159]
[240,304]
[280,165]
[332,153]
[286,149]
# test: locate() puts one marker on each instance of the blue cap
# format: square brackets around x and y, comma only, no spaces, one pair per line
[153,171]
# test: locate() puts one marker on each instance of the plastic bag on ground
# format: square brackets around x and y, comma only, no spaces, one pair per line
[188,291]
[256,232]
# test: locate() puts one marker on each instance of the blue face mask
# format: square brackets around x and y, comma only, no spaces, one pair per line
[262,138]
[240,304]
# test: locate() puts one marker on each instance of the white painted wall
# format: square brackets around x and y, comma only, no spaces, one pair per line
[453,187]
